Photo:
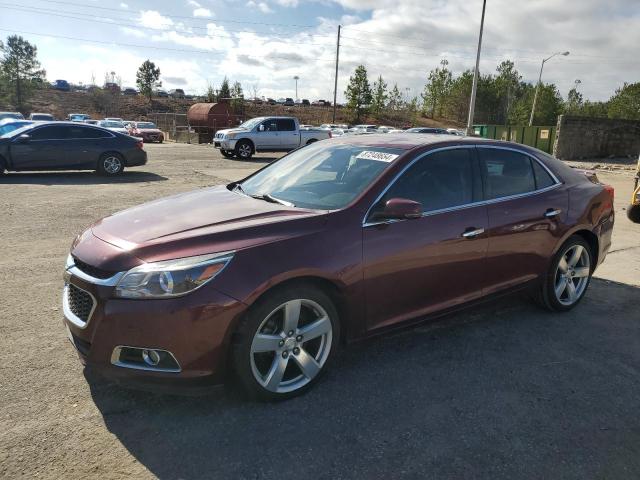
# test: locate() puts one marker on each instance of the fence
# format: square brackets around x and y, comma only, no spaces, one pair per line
[541,137]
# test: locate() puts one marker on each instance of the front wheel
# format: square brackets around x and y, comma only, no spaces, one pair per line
[633,212]
[569,275]
[227,153]
[286,342]
[110,164]
[244,150]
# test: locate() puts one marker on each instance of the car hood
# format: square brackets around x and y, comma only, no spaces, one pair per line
[204,221]
[232,130]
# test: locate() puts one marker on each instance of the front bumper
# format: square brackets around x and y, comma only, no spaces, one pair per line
[224,143]
[195,329]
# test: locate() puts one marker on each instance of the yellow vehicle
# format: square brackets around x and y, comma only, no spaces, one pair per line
[633,211]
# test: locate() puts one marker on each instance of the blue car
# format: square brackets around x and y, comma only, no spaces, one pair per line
[61,85]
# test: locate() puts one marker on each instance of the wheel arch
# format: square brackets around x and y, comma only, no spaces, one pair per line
[593,242]
[249,141]
[113,152]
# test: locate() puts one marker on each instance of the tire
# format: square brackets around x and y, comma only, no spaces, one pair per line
[633,211]
[227,153]
[290,356]
[161,140]
[563,288]
[110,164]
[244,150]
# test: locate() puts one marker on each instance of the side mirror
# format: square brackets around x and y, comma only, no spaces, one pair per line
[261,128]
[23,138]
[399,209]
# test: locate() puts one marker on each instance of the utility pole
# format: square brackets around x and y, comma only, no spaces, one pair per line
[474,87]
[335,84]
[535,96]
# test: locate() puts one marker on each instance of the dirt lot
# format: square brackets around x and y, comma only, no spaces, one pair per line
[502,391]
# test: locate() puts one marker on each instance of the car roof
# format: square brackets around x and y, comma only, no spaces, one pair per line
[408,142]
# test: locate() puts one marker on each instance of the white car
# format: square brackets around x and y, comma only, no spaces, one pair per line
[455,131]
[114,126]
[385,128]
[114,119]
[337,132]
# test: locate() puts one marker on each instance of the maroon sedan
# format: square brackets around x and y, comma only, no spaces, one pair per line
[334,242]
[147,131]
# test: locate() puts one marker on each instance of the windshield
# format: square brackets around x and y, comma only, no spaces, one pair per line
[10,127]
[111,124]
[249,124]
[145,125]
[321,176]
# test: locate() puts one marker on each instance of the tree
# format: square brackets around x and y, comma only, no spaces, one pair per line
[625,103]
[358,92]
[237,97]
[548,106]
[211,94]
[148,78]
[20,68]
[379,97]
[506,88]
[395,99]
[225,91]
[437,89]
[574,102]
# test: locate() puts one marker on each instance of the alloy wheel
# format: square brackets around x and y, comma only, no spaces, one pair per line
[572,275]
[244,150]
[291,346]
[112,165]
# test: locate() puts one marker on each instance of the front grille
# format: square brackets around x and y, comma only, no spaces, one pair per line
[92,271]
[80,302]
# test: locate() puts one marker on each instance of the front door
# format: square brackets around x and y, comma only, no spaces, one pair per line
[417,266]
[267,137]
[45,149]
[527,209]
[289,136]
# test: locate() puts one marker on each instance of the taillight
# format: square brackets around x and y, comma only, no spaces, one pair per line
[610,191]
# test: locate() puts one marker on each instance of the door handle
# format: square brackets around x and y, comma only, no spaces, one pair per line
[473,232]
[551,212]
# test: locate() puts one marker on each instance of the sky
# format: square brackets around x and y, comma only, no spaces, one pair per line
[265,43]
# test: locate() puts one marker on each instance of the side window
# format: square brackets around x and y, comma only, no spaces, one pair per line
[543,179]
[440,180]
[286,125]
[270,126]
[49,133]
[506,172]
[86,132]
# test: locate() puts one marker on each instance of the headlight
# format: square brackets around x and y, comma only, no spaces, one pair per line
[230,136]
[171,278]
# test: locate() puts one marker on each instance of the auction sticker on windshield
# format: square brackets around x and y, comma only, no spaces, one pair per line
[379,156]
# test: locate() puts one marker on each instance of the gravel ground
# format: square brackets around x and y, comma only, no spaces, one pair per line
[502,391]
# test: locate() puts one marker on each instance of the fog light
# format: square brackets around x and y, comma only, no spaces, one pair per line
[151,357]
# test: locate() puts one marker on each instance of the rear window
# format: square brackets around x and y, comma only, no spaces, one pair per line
[286,124]
[506,172]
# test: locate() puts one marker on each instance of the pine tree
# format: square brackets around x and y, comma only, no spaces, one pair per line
[358,92]
[225,90]
[379,98]
[19,68]
[148,78]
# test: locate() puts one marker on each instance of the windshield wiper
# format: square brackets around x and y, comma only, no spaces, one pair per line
[268,198]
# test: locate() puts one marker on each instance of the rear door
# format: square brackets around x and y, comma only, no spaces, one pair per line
[527,208]
[289,135]
[45,149]
[84,145]
[414,267]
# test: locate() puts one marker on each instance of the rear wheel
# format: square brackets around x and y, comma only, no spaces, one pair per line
[110,164]
[227,153]
[569,275]
[244,150]
[633,212]
[286,342]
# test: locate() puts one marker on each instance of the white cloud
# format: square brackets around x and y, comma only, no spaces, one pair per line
[193,3]
[133,32]
[202,12]
[287,3]
[262,6]
[153,19]
[124,5]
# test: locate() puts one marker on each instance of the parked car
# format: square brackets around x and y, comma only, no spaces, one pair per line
[129,91]
[305,102]
[440,131]
[265,134]
[114,126]
[385,129]
[91,122]
[161,94]
[263,279]
[271,101]
[337,132]
[69,146]
[47,117]
[331,126]
[176,93]
[61,85]
[288,102]
[114,119]
[306,126]
[12,115]
[78,117]
[281,101]
[366,127]
[111,87]
[10,124]
[148,131]
[455,131]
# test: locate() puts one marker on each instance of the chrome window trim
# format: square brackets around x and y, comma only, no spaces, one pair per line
[66,309]
[71,268]
[466,205]
[115,360]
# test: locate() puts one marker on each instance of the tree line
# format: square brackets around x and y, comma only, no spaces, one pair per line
[501,98]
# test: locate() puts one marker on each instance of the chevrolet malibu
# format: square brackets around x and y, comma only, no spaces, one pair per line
[263,279]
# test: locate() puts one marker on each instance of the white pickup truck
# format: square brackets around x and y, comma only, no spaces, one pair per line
[265,134]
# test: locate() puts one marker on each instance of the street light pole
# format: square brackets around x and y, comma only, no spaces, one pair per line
[535,96]
[296,78]
[474,86]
